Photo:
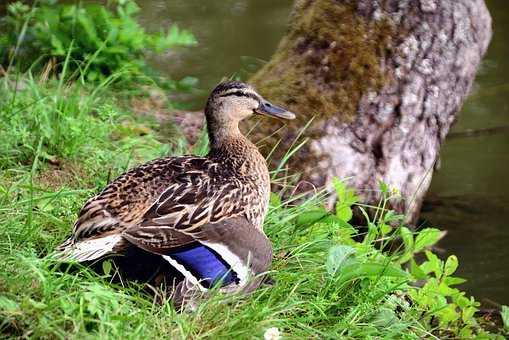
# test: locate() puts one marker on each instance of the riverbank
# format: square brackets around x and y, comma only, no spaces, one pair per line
[63,141]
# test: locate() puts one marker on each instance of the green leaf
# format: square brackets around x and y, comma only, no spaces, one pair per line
[453,281]
[345,195]
[58,47]
[408,238]
[107,266]
[505,317]
[464,302]
[466,333]
[385,318]
[338,257]
[416,271]
[445,290]
[344,212]
[385,228]
[8,305]
[275,200]
[467,314]
[451,264]
[383,187]
[434,264]
[131,8]
[371,235]
[448,314]
[357,271]
[88,28]
[311,217]
[38,304]
[426,238]
[408,242]
[391,216]
[340,188]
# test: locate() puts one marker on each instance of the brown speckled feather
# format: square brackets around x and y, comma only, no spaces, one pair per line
[181,193]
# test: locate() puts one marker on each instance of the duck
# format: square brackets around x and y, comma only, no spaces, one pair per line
[201,216]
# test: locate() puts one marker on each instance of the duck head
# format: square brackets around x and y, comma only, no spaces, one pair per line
[232,101]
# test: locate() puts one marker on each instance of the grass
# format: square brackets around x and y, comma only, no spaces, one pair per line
[61,142]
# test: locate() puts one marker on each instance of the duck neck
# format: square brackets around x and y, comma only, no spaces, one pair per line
[223,134]
[229,145]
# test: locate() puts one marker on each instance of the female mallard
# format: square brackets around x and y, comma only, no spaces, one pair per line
[203,215]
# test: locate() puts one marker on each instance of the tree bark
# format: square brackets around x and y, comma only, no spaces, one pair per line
[384,80]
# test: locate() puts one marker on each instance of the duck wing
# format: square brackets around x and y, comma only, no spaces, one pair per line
[230,250]
[199,226]
[177,217]
[125,202]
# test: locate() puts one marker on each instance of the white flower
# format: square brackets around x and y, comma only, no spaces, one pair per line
[272,334]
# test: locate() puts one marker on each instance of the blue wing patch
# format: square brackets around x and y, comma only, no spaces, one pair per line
[206,265]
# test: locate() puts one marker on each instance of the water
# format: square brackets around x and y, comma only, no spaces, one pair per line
[472,186]
[235,37]
[469,196]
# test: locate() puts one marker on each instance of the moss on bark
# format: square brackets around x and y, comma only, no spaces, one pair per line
[328,59]
[330,56]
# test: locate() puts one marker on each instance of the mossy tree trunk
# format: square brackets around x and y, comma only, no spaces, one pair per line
[384,81]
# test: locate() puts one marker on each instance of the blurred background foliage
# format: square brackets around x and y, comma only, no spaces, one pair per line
[101,40]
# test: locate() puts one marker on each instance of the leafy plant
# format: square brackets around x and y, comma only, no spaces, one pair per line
[436,301]
[100,40]
[439,300]
[346,199]
[505,317]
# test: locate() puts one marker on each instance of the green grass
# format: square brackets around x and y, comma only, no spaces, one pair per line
[62,142]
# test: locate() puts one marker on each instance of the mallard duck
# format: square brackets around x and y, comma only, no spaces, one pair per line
[202,215]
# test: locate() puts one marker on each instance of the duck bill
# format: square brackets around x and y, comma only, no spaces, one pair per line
[271,110]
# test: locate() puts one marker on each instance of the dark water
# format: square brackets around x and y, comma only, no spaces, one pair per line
[235,37]
[472,186]
[469,196]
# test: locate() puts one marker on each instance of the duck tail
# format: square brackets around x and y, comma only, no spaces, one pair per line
[87,250]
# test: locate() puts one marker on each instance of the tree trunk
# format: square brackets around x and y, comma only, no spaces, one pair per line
[384,81]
